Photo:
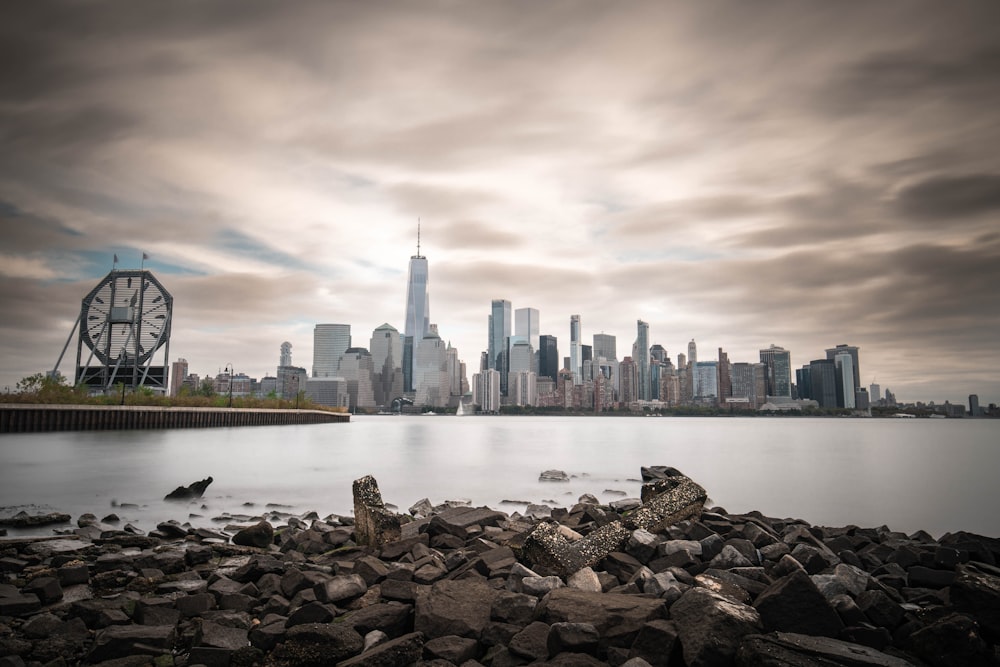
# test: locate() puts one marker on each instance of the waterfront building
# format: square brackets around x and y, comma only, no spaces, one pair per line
[330,341]
[575,350]
[706,381]
[417,322]
[725,378]
[852,351]
[874,393]
[430,372]
[974,409]
[329,391]
[499,338]
[692,356]
[640,352]
[845,380]
[486,390]
[548,357]
[387,364]
[356,367]
[178,373]
[605,346]
[285,356]
[523,388]
[456,372]
[526,326]
[823,382]
[628,369]
[268,386]
[778,362]
[291,380]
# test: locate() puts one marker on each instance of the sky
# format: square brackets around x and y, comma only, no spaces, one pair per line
[740,174]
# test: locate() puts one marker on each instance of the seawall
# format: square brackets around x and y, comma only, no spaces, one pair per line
[15,418]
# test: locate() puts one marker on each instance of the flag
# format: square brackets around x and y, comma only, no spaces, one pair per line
[145,257]
[116,258]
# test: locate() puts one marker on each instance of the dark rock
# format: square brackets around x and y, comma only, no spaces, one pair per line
[919,576]
[218,636]
[19,605]
[24,520]
[374,525]
[953,641]
[711,627]
[267,635]
[977,593]
[618,618]
[189,492]
[573,638]
[119,641]
[795,604]
[881,609]
[319,644]
[392,618]
[171,530]
[260,535]
[460,607]
[400,652]
[456,650]
[516,608]
[531,642]
[195,605]
[340,588]
[311,612]
[553,476]
[463,522]
[551,553]
[656,643]
[371,569]
[782,649]
[256,568]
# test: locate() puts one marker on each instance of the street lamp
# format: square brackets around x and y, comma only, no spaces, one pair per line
[296,392]
[230,367]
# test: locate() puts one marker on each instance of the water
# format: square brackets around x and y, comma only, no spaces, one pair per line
[936,475]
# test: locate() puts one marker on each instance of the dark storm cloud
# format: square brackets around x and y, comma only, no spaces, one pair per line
[944,198]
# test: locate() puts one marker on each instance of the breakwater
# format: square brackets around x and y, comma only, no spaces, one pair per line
[16,418]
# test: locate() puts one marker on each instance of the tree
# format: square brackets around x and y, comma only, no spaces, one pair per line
[207,388]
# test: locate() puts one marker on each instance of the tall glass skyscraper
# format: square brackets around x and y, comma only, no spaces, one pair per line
[575,351]
[778,363]
[418,313]
[641,355]
[499,340]
[548,357]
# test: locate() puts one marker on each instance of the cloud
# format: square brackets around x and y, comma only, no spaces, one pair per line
[945,198]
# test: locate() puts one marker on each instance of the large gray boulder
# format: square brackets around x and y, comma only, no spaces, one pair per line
[795,604]
[711,627]
[618,618]
[460,607]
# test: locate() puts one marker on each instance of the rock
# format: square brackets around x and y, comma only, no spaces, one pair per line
[551,553]
[953,641]
[978,593]
[421,508]
[711,627]
[189,492]
[795,604]
[880,609]
[260,535]
[464,522]
[172,530]
[119,641]
[573,638]
[47,589]
[729,558]
[539,586]
[584,579]
[19,605]
[783,649]
[531,642]
[452,648]
[656,643]
[460,607]
[618,618]
[667,502]
[319,644]
[392,618]
[516,608]
[400,652]
[374,525]
[553,476]
[24,520]
[340,588]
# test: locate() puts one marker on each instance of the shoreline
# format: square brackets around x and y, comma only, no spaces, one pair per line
[460,585]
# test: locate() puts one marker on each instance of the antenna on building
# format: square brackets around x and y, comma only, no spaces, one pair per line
[418,237]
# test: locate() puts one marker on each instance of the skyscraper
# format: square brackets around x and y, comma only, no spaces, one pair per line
[526,325]
[548,357]
[575,352]
[387,364]
[286,354]
[430,371]
[330,341]
[831,353]
[356,369]
[499,339]
[418,313]
[692,352]
[178,372]
[640,352]
[844,364]
[823,382]
[605,346]
[778,363]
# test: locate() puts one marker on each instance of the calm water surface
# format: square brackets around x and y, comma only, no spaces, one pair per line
[936,475]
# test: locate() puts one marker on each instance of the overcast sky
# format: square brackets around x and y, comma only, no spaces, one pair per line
[803,174]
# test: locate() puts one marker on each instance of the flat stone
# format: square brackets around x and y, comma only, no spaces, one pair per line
[460,607]
[618,618]
[531,643]
[795,650]
[119,641]
[456,650]
[573,638]
[711,626]
[402,651]
[318,644]
[19,605]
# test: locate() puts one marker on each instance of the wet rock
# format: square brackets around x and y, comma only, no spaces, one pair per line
[400,652]
[120,641]
[319,644]
[977,593]
[667,502]
[618,618]
[24,520]
[783,649]
[374,525]
[456,650]
[553,476]
[459,607]
[795,604]
[711,627]
[260,535]
[17,604]
[190,492]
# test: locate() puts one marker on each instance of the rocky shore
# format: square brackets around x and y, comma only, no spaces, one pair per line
[659,580]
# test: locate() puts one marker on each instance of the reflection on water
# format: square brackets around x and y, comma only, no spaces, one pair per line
[909,475]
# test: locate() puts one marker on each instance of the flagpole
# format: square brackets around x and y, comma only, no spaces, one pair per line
[114,263]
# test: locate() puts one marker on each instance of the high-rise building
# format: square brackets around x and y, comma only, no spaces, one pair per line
[178,373]
[658,352]
[387,364]
[974,409]
[523,388]
[330,341]
[803,381]
[526,325]
[486,390]
[356,368]
[629,381]
[499,340]
[430,372]
[418,313]
[548,357]
[874,393]
[823,382]
[725,377]
[605,346]
[706,380]
[749,382]
[329,391]
[575,351]
[778,363]
[832,352]
[844,365]
[692,352]
[640,352]
[285,359]
[456,371]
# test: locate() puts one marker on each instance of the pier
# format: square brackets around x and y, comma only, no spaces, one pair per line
[15,418]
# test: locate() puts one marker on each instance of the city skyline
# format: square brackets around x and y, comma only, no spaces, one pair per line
[804,176]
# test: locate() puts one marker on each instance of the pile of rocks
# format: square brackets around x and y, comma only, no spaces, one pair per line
[668,582]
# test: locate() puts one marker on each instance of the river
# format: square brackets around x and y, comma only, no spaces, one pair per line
[935,475]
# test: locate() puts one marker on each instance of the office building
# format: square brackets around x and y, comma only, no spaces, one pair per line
[629,385]
[285,357]
[692,356]
[486,390]
[548,357]
[640,352]
[874,393]
[725,380]
[658,352]
[328,391]
[499,330]
[526,326]
[605,346]
[330,341]
[778,363]
[523,388]
[417,323]
[357,370]
[575,349]
[852,351]
[844,366]
[974,409]
[387,364]
[823,382]
[178,373]
[430,372]
[706,381]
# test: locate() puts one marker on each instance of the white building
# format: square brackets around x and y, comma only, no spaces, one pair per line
[522,388]
[330,341]
[430,372]
[486,390]
[329,391]
[356,369]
